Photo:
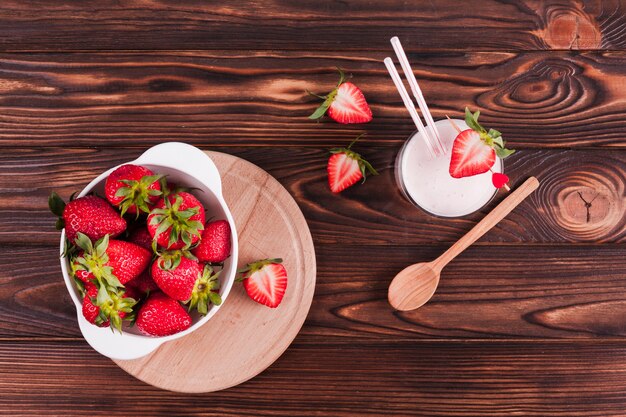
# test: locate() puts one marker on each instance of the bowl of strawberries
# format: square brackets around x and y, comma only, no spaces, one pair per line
[148,250]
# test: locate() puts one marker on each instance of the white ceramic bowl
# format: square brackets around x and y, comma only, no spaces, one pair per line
[188,166]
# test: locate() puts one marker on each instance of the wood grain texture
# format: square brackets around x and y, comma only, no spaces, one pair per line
[495,292]
[325,24]
[372,213]
[370,379]
[537,99]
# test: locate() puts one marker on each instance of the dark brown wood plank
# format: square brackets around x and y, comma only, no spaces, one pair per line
[346,25]
[531,292]
[373,213]
[538,100]
[373,379]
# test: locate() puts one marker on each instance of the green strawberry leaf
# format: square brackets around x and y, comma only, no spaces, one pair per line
[503,152]
[56,204]
[101,246]
[320,111]
[494,133]
[215,298]
[59,224]
[83,242]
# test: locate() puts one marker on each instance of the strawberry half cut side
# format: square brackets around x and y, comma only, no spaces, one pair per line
[474,150]
[345,104]
[265,281]
[346,167]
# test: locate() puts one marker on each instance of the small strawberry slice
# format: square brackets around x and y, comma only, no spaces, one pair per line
[346,167]
[161,315]
[265,281]
[499,180]
[345,104]
[474,150]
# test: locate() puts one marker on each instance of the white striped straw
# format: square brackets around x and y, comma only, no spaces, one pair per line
[417,93]
[408,103]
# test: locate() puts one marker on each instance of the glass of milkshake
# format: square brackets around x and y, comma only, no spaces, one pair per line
[426,182]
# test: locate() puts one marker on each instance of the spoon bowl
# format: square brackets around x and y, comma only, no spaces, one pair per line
[414,286]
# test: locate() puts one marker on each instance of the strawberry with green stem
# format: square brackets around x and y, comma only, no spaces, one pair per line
[205,291]
[186,280]
[133,189]
[108,265]
[175,273]
[110,261]
[90,215]
[265,281]
[344,104]
[474,150]
[346,168]
[176,222]
[103,308]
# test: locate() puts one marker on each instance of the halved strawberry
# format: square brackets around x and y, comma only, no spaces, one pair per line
[474,150]
[265,281]
[345,104]
[346,167]
[470,155]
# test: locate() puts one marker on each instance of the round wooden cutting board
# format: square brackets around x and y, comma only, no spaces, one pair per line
[244,337]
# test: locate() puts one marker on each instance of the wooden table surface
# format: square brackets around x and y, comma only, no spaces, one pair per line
[529,321]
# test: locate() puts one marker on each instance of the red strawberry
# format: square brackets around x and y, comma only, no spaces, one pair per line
[499,180]
[133,189]
[346,167]
[176,275]
[470,155]
[177,221]
[90,215]
[108,307]
[143,283]
[474,150]
[214,245]
[205,291]
[141,237]
[265,281]
[345,104]
[161,315]
[91,311]
[112,261]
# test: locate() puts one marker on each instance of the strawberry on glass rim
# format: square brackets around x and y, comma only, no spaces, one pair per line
[346,168]
[345,104]
[474,150]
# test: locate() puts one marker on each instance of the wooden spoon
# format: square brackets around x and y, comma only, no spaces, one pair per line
[416,284]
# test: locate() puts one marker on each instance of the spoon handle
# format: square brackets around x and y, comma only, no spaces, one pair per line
[500,212]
